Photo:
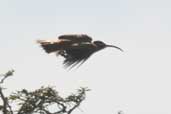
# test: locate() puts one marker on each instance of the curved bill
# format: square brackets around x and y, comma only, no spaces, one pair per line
[114,47]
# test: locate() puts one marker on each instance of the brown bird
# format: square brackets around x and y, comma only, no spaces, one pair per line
[75,48]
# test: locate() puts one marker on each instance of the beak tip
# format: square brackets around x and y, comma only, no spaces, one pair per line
[122,50]
[115,47]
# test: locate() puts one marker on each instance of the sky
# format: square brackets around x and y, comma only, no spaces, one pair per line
[136,81]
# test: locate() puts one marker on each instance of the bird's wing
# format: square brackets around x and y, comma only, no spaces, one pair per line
[76,38]
[78,54]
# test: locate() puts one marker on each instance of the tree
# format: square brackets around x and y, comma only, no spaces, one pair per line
[39,101]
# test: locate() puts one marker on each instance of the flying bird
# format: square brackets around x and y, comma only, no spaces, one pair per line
[75,48]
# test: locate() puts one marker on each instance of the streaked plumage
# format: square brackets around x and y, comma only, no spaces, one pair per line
[75,48]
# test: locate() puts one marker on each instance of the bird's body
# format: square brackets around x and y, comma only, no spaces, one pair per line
[74,48]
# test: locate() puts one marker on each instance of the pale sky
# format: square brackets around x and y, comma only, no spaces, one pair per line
[137,81]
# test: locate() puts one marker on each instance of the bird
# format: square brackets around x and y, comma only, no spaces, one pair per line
[75,48]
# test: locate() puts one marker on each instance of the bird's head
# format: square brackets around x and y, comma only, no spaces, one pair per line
[101,45]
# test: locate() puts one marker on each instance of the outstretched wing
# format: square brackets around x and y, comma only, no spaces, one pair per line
[76,38]
[64,42]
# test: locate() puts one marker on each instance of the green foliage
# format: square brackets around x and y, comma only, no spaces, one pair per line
[40,101]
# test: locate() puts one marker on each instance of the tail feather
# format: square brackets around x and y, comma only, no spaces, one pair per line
[48,46]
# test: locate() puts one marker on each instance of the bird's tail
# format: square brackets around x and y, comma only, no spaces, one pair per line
[48,46]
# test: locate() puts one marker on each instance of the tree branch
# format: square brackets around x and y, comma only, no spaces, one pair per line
[6,105]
